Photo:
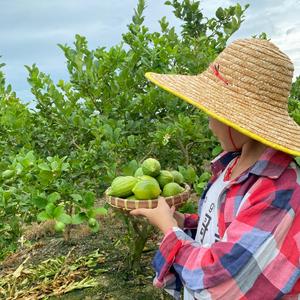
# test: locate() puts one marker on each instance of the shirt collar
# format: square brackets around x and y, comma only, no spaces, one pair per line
[271,163]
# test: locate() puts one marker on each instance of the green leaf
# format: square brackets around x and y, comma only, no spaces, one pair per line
[43,216]
[64,218]
[234,23]
[65,166]
[58,211]
[8,174]
[28,160]
[217,150]
[54,166]
[44,167]
[79,218]
[92,222]
[26,163]
[188,173]
[220,13]
[108,131]
[100,211]
[238,10]
[50,207]
[130,168]
[201,185]
[39,202]
[228,29]
[53,197]
[131,140]
[89,199]
[205,176]
[76,197]
[91,213]
[50,158]
[18,168]
[45,177]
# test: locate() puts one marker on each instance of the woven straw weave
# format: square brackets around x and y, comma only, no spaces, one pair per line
[255,99]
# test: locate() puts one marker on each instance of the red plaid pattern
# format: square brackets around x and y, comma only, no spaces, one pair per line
[259,225]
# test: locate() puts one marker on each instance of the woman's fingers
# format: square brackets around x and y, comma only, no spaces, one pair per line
[162,202]
[173,208]
[139,212]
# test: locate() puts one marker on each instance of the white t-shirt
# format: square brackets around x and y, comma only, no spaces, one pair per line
[207,230]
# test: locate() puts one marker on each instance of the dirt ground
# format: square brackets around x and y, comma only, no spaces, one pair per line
[113,280]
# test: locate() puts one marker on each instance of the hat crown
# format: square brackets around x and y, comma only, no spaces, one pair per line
[257,67]
[246,88]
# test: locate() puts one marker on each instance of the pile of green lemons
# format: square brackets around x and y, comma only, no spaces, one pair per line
[148,182]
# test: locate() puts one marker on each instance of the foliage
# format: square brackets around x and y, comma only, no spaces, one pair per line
[57,159]
[33,188]
[295,91]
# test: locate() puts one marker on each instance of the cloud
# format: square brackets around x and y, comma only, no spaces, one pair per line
[30,30]
[277,18]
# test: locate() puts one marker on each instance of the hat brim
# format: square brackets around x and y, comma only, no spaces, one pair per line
[271,125]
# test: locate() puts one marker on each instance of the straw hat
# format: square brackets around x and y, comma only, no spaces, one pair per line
[247,88]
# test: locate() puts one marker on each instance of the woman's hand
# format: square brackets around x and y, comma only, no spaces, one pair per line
[161,216]
[179,217]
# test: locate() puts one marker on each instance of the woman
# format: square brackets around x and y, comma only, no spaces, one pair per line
[248,224]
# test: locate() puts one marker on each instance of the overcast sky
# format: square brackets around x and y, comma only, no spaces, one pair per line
[31,29]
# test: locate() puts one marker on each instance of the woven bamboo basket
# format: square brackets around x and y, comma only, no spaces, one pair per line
[129,204]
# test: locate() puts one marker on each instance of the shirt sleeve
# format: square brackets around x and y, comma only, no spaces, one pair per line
[249,254]
[191,221]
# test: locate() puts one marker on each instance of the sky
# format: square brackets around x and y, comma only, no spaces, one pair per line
[31,29]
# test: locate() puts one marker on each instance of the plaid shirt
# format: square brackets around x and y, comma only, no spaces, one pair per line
[259,225]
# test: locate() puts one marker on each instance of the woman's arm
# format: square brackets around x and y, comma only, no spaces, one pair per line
[256,257]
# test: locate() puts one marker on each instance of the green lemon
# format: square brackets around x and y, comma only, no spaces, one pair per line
[92,222]
[59,226]
[164,177]
[172,189]
[139,172]
[178,177]
[146,189]
[147,177]
[151,167]
[122,186]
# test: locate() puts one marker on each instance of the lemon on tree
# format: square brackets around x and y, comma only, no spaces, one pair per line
[59,226]
[92,222]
